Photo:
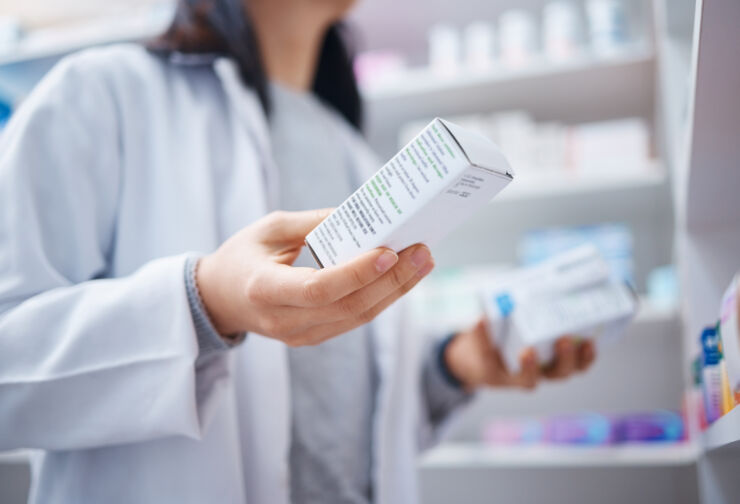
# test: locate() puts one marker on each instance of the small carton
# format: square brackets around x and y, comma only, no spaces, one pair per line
[570,294]
[729,328]
[439,179]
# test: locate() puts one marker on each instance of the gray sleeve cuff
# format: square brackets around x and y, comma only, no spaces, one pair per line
[442,395]
[209,339]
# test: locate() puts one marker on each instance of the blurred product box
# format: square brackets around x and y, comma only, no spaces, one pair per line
[649,427]
[5,112]
[711,376]
[518,42]
[447,300]
[608,26]
[11,33]
[662,287]
[610,146]
[605,147]
[613,241]
[444,49]
[376,68]
[695,409]
[572,293]
[561,30]
[730,338]
[478,44]
[587,429]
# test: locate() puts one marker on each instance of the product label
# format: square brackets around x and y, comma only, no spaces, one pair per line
[428,166]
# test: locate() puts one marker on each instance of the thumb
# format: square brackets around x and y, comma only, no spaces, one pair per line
[292,227]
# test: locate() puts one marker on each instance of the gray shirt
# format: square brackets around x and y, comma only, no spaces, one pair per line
[333,385]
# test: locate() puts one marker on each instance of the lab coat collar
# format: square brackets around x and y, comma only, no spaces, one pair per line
[194,59]
[254,118]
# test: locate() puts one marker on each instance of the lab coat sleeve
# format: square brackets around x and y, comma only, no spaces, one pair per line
[440,402]
[84,361]
[441,397]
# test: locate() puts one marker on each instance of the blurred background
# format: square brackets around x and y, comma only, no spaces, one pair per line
[589,99]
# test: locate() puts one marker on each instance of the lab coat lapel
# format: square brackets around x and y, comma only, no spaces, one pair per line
[261,365]
[396,418]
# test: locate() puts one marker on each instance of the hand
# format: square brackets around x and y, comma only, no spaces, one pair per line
[476,361]
[249,285]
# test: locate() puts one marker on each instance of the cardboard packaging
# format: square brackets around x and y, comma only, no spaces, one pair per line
[439,179]
[712,373]
[729,328]
[570,294]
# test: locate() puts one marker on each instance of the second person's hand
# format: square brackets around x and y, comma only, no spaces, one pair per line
[249,285]
[475,361]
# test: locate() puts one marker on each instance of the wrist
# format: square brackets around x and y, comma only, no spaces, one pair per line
[440,361]
[214,301]
[456,360]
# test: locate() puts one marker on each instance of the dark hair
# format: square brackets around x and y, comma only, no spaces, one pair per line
[224,27]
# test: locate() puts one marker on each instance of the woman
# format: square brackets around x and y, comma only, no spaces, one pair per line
[124,356]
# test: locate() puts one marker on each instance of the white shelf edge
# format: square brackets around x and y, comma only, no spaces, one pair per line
[478,455]
[559,184]
[15,457]
[723,432]
[424,80]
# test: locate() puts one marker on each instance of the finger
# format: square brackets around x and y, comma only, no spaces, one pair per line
[564,363]
[586,355]
[413,261]
[529,372]
[481,330]
[286,285]
[321,333]
[496,371]
[292,227]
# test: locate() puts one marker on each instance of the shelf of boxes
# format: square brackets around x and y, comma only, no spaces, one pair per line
[565,184]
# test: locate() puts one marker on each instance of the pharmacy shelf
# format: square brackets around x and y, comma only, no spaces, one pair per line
[14,457]
[724,432]
[414,83]
[587,89]
[477,455]
[59,41]
[563,184]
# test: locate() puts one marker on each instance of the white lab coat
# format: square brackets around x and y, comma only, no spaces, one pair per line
[116,167]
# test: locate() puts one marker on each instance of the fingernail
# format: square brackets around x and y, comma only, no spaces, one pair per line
[385,261]
[420,257]
[425,270]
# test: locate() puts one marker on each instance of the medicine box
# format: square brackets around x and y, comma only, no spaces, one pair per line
[572,293]
[729,327]
[439,179]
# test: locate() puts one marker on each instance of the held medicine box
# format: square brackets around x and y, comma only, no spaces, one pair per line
[431,186]
[570,294]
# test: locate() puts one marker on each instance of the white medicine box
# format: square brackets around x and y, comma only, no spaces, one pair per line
[438,180]
[572,293]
